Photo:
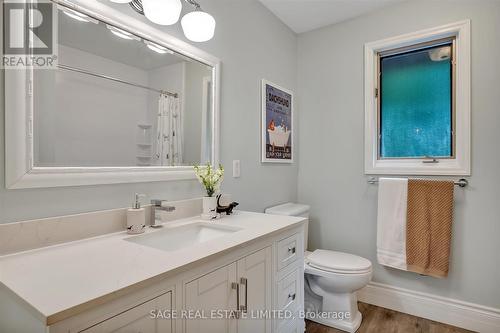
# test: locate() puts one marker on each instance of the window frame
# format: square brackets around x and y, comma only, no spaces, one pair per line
[459,162]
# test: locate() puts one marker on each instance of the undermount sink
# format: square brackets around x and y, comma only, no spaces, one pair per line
[175,238]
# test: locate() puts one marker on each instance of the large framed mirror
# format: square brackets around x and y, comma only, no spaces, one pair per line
[126,103]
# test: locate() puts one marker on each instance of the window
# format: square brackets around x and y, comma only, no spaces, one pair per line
[417,103]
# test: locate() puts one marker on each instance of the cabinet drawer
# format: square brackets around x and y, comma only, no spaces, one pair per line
[289,291]
[287,251]
[138,319]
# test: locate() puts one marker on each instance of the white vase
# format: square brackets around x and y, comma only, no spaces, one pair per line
[209,208]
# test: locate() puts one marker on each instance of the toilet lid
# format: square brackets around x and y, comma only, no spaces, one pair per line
[338,262]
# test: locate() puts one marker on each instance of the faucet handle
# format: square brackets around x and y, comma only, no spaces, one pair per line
[162,205]
[156,202]
[158,206]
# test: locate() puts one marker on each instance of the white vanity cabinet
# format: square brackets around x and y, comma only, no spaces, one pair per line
[289,284]
[240,289]
[255,283]
[234,294]
[144,311]
[215,291]
[267,280]
[138,319]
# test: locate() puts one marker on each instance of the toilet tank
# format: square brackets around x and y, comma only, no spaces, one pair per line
[292,209]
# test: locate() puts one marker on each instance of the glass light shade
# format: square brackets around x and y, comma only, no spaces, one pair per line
[163,12]
[198,26]
[75,15]
[157,48]
[121,33]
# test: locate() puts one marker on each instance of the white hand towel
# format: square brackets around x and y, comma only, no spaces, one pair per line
[391,222]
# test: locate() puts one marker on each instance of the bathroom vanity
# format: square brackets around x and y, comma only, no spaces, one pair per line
[189,276]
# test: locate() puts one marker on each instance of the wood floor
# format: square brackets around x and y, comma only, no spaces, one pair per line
[376,319]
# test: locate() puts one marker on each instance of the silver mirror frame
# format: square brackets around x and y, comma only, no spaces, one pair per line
[20,171]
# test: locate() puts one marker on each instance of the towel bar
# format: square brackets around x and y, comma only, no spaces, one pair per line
[461,182]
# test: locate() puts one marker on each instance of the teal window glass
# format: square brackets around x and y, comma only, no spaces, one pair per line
[416,114]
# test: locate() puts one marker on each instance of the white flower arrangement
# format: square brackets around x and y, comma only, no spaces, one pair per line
[209,177]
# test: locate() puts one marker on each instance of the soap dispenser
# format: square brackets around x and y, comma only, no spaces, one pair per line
[136,217]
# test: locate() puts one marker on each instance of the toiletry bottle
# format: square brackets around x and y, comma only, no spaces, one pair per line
[136,217]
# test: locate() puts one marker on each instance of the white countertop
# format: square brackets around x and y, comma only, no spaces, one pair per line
[59,278]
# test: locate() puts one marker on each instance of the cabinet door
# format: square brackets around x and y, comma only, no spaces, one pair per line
[216,291]
[139,319]
[255,279]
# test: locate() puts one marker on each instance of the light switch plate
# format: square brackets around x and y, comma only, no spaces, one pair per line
[236,168]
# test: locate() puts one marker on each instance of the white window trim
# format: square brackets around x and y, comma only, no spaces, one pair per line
[457,166]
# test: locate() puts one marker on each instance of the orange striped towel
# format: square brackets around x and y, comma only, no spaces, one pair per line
[428,226]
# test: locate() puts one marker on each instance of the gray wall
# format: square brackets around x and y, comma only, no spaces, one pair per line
[67,105]
[249,52]
[330,86]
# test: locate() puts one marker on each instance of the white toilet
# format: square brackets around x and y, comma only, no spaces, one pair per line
[331,280]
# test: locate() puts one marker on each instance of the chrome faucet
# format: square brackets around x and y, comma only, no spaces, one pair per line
[157,207]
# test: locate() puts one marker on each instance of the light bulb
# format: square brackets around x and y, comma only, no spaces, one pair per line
[76,15]
[198,26]
[122,33]
[163,12]
[157,48]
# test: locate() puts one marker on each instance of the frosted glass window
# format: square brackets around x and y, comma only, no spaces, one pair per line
[416,103]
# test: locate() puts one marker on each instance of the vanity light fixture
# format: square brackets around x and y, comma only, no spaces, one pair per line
[162,12]
[157,48]
[77,15]
[122,33]
[198,26]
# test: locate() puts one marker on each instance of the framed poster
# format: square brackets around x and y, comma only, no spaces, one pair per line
[277,124]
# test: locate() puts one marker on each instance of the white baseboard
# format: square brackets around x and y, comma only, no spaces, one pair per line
[450,311]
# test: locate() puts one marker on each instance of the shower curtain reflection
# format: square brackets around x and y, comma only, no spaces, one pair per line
[169,134]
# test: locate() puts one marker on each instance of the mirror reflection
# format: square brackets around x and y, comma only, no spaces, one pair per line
[117,100]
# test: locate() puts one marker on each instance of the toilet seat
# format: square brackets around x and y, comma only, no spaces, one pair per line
[338,262]
[331,282]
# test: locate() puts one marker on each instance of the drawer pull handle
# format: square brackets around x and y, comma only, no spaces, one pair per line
[244,282]
[236,286]
[292,296]
[291,250]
